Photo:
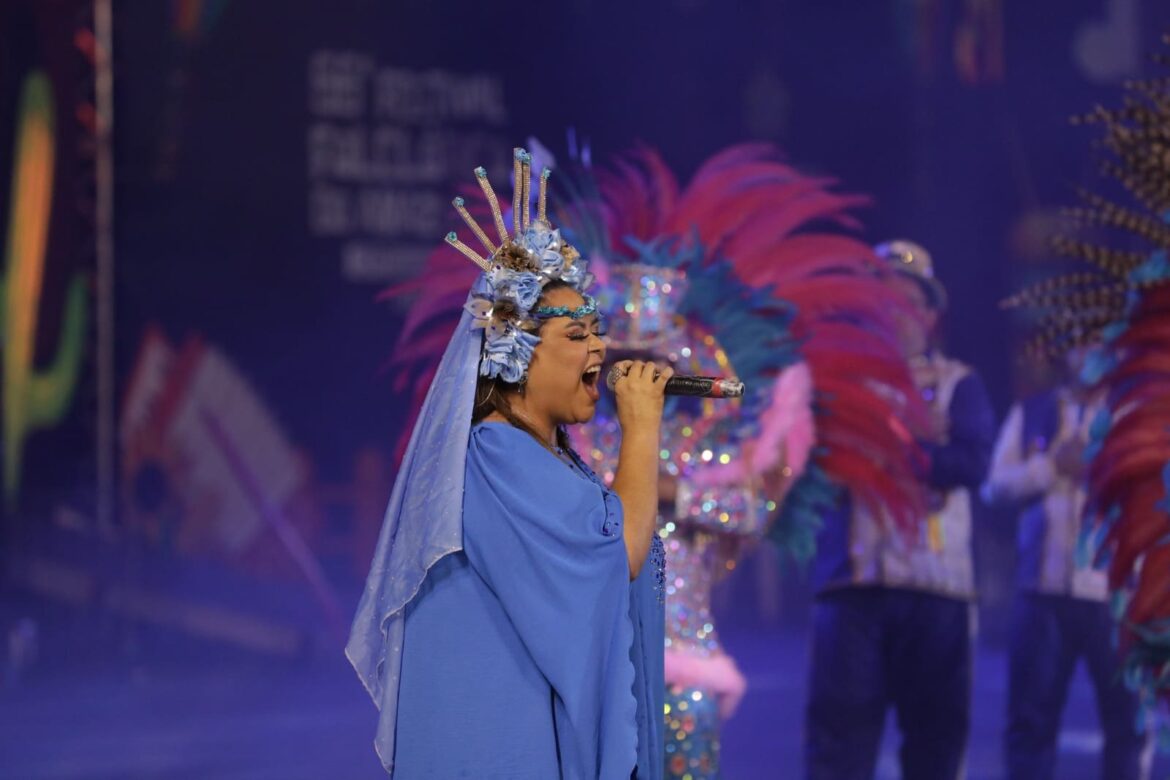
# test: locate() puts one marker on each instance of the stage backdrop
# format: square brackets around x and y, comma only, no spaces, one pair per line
[278,163]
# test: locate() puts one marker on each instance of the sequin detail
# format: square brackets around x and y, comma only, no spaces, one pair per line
[690,575]
[692,734]
[658,561]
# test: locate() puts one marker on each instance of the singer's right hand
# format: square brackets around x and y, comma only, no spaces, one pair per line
[640,390]
[640,394]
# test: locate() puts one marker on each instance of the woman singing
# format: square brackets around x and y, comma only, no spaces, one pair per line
[512,625]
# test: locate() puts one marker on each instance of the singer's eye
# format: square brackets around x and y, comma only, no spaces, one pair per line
[601,329]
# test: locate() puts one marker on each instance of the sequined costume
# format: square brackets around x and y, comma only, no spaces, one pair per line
[499,633]
[1121,296]
[666,261]
[711,521]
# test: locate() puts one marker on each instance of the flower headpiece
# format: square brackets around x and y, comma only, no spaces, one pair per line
[515,272]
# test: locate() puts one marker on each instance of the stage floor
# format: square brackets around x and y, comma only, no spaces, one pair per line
[238,718]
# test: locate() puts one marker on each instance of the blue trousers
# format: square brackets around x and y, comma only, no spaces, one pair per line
[1049,634]
[876,648]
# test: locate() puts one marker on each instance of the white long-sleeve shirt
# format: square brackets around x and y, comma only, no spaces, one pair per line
[1026,472]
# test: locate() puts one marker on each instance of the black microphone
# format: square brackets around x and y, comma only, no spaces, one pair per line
[694,386]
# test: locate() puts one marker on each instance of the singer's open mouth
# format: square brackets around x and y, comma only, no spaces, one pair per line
[591,380]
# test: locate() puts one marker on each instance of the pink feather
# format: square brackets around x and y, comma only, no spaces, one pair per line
[717,673]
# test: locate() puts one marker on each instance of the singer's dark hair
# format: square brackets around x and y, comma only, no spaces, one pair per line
[492,393]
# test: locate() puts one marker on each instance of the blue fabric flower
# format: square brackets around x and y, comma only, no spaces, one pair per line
[522,288]
[577,275]
[545,245]
[508,354]
[539,238]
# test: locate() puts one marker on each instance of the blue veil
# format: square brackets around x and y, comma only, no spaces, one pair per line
[424,522]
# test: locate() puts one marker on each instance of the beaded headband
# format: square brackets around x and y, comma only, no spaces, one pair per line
[548,312]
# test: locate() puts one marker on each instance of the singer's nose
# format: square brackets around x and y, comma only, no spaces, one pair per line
[597,345]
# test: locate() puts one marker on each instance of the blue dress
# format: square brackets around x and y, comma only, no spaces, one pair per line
[530,653]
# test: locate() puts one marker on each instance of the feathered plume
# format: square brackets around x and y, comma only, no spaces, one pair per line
[771,224]
[1122,299]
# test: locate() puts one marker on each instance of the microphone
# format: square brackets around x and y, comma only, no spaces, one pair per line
[694,386]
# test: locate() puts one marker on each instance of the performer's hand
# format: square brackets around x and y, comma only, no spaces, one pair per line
[640,394]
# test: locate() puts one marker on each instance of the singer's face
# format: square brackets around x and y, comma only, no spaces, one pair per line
[564,377]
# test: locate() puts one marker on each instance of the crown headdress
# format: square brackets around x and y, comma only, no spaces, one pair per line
[515,272]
